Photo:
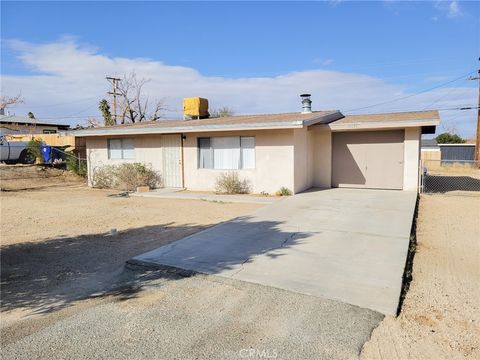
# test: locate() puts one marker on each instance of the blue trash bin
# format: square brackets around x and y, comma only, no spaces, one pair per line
[46,153]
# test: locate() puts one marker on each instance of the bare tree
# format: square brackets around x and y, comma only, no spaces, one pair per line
[6,100]
[93,122]
[134,105]
[222,112]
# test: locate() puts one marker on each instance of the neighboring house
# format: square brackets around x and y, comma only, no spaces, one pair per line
[296,150]
[431,150]
[457,152]
[12,124]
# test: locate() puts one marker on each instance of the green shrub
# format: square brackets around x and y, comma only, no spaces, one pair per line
[284,192]
[34,147]
[230,183]
[126,176]
[447,138]
[73,165]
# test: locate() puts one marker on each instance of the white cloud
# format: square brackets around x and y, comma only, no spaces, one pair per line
[322,61]
[69,79]
[451,8]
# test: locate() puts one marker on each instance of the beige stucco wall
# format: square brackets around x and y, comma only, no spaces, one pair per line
[322,157]
[297,158]
[147,151]
[302,174]
[312,155]
[411,158]
[273,161]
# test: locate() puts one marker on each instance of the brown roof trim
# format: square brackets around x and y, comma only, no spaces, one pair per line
[254,122]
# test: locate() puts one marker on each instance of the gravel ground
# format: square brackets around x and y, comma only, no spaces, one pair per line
[56,244]
[440,318]
[59,258]
[197,317]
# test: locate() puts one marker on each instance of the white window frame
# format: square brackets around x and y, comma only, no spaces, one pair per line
[211,151]
[123,149]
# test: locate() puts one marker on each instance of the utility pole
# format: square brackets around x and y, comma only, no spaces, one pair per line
[114,81]
[477,139]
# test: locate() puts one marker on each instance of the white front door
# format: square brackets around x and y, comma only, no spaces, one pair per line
[172,160]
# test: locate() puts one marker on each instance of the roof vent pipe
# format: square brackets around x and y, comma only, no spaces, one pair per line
[306,103]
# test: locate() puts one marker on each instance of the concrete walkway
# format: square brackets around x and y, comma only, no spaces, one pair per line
[169,193]
[343,244]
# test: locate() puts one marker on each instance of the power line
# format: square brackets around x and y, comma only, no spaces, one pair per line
[452,90]
[412,95]
[58,104]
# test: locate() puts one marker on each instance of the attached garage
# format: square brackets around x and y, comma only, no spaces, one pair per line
[368,159]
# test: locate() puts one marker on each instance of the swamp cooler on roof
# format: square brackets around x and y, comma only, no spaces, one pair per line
[195,108]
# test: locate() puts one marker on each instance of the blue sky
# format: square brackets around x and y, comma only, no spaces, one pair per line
[243,54]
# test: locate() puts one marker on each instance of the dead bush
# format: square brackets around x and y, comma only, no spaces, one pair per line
[104,177]
[126,176]
[132,175]
[230,183]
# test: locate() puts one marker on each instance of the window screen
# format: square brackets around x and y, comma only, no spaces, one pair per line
[247,145]
[205,155]
[121,149]
[114,149]
[226,153]
[128,150]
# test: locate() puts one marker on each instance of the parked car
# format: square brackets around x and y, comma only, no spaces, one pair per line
[15,152]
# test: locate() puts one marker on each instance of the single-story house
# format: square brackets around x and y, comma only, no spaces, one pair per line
[17,125]
[295,150]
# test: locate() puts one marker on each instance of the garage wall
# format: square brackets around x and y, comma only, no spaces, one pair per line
[322,157]
[273,161]
[303,159]
[411,158]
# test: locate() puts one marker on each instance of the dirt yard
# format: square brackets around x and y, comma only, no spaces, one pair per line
[440,318]
[61,240]
[58,248]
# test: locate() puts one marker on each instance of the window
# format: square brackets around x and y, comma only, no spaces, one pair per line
[226,153]
[49,131]
[121,149]
[205,154]
[247,145]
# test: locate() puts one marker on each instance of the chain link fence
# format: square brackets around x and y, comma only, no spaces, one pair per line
[443,176]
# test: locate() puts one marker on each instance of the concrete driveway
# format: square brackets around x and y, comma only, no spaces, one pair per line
[342,244]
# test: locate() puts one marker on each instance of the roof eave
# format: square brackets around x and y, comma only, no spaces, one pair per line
[188,129]
[324,119]
[384,124]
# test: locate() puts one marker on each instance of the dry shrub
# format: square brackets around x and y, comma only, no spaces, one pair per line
[230,183]
[126,176]
[104,178]
[284,191]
